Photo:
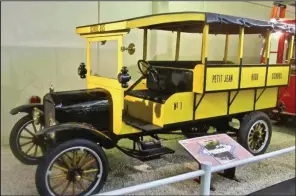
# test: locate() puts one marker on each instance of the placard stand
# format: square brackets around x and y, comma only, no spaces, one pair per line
[217,149]
[198,180]
[229,174]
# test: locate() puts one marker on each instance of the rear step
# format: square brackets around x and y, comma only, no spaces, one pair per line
[147,150]
[153,153]
[152,149]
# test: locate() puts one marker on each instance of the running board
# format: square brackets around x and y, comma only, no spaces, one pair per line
[146,155]
[147,150]
[140,124]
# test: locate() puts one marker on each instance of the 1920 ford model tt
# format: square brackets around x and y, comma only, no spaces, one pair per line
[169,96]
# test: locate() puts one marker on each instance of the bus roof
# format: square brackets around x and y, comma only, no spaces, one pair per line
[189,22]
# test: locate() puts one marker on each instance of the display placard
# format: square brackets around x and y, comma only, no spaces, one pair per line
[217,149]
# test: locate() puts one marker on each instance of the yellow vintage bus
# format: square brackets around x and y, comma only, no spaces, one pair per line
[170,95]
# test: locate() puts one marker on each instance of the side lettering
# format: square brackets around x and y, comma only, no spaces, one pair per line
[95,28]
[254,76]
[178,105]
[222,78]
[276,76]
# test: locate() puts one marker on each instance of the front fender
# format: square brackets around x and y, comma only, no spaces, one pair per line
[27,108]
[66,131]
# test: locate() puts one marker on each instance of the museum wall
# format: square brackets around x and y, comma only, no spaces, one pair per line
[39,44]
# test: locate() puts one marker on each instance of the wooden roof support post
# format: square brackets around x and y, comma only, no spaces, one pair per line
[267,47]
[88,67]
[204,47]
[241,45]
[145,45]
[120,54]
[178,46]
[226,48]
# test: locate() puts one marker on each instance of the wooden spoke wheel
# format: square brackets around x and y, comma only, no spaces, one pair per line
[24,144]
[258,136]
[76,167]
[255,132]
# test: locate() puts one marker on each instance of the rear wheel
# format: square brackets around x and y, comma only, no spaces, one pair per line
[76,167]
[23,142]
[255,132]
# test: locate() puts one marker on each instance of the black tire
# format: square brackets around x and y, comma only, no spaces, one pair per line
[247,128]
[41,178]
[14,142]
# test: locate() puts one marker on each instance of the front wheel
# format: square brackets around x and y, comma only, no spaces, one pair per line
[255,132]
[24,144]
[76,167]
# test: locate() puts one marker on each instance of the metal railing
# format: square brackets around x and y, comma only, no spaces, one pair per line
[205,173]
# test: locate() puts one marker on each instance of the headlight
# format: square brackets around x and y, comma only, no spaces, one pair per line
[52,135]
[36,116]
[52,122]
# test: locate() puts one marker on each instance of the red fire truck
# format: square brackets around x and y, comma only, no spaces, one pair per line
[286,107]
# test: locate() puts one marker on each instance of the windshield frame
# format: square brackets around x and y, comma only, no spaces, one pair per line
[98,40]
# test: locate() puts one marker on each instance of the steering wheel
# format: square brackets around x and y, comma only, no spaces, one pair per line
[146,69]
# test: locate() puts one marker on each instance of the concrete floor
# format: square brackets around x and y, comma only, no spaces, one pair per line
[18,179]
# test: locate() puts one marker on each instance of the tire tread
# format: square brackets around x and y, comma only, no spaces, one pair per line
[13,146]
[247,121]
[42,167]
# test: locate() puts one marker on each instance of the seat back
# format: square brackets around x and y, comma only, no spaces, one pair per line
[171,80]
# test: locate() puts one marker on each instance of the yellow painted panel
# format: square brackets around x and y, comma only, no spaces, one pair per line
[141,86]
[243,102]
[104,82]
[223,78]
[127,129]
[278,75]
[116,92]
[253,77]
[268,99]
[145,110]
[198,78]
[212,104]
[178,108]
